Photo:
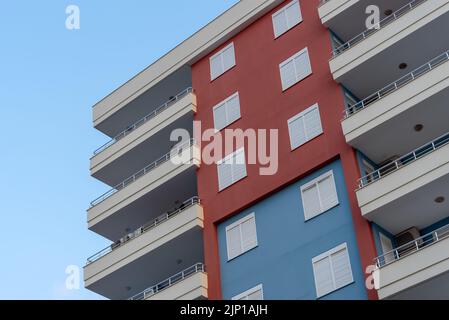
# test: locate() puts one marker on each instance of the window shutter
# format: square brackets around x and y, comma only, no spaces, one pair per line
[341,268]
[241,236]
[227,112]
[222,61]
[249,234]
[332,270]
[216,67]
[224,175]
[305,126]
[311,202]
[286,18]
[328,193]
[239,166]
[234,242]
[288,75]
[279,23]
[297,132]
[293,14]
[220,116]
[302,66]
[312,121]
[256,295]
[319,195]
[231,169]
[295,68]
[323,277]
[233,109]
[228,58]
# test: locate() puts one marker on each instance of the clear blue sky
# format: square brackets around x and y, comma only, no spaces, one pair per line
[49,79]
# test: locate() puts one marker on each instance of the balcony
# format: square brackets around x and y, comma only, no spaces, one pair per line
[383,125]
[129,204]
[189,284]
[146,138]
[401,42]
[152,252]
[412,191]
[417,270]
[345,16]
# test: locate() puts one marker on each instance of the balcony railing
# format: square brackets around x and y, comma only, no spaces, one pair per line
[199,267]
[143,229]
[412,247]
[143,172]
[432,64]
[404,161]
[142,121]
[382,23]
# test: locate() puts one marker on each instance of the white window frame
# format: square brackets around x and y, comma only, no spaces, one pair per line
[229,156]
[328,255]
[212,77]
[245,294]
[239,223]
[221,104]
[296,55]
[282,10]
[315,183]
[302,115]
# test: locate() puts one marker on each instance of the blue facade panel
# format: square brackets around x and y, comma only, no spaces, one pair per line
[282,261]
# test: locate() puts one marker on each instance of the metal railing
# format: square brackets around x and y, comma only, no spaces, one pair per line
[199,267]
[412,247]
[382,23]
[142,121]
[143,172]
[143,229]
[403,161]
[429,66]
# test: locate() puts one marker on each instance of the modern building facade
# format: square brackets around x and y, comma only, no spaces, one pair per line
[335,185]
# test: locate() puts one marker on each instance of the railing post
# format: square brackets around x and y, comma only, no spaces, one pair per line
[436,236]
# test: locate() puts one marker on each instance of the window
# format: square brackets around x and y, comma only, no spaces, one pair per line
[227,111]
[241,236]
[222,61]
[332,270]
[255,293]
[231,169]
[305,126]
[295,69]
[286,18]
[319,195]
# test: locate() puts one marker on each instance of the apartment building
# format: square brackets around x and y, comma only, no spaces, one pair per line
[362,157]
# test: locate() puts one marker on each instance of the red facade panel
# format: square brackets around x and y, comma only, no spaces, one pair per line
[265,106]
